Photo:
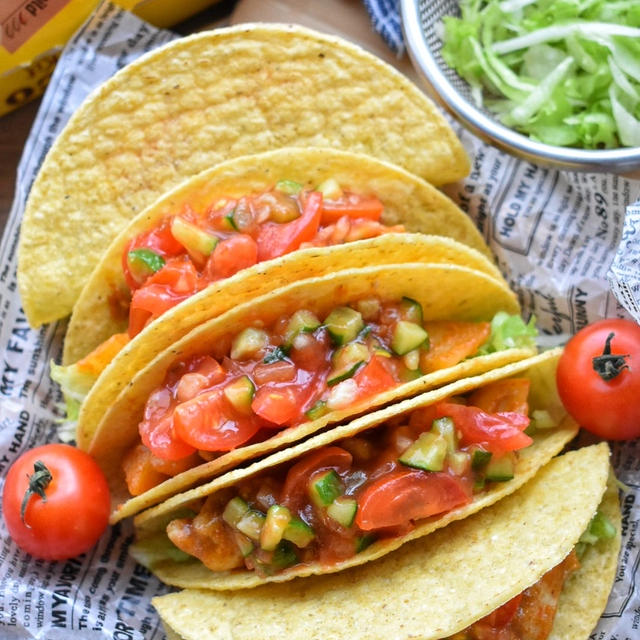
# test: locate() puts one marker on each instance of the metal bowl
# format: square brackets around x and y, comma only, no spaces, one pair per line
[419,20]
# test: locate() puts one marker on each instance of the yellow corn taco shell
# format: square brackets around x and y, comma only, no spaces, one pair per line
[198,101]
[445,292]
[547,443]
[407,199]
[434,587]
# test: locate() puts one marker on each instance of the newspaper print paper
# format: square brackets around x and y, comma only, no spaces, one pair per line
[555,235]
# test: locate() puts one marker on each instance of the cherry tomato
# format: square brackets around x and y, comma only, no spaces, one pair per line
[208,422]
[401,496]
[74,511]
[237,252]
[607,407]
[373,378]
[274,240]
[495,432]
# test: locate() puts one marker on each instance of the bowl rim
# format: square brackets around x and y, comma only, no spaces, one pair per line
[610,160]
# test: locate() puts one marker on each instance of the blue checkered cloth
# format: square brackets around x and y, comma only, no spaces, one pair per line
[385,17]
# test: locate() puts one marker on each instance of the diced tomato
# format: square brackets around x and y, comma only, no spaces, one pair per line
[209,423]
[160,437]
[276,240]
[373,378]
[396,499]
[503,395]
[159,240]
[495,432]
[279,404]
[361,229]
[294,490]
[233,254]
[352,205]
[101,356]
[452,342]
[175,282]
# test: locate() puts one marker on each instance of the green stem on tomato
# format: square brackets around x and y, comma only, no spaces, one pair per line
[38,482]
[608,365]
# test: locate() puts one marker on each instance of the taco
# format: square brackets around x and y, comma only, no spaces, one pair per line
[196,102]
[225,220]
[309,354]
[438,586]
[359,491]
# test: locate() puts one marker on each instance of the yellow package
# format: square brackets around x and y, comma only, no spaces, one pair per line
[33,32]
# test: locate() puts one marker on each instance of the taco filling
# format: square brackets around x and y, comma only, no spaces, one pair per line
[531,614]
[337,500]
[184,253]
[295,371]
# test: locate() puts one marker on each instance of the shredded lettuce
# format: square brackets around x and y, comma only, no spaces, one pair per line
[600,528]
[75,385]
[564,72]
[508,332]
[157,549]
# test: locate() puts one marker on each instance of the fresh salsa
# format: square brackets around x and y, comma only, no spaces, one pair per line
[335,501]
[295,371]
[186,252]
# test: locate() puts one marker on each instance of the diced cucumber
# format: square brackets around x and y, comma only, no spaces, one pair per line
[318,410]
[240,393]
[411,360]
[276,355]
[542,419]
[459,462]
[330,189]
[369,308]
[284,556]
[194,239]
[407,336]
[302,321]
[364,541]
[338,375]
[500,469]
[411,310]
[343,510]
[346,361]
[290,187]
[244,544]
[348,354]
[480,459]
[427,452]
[248,342]
[144,262]
[445,427]
[299,532]
[344,324]
[251,524]
[277,520]
[325,488]
[407,375]
[235,510]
